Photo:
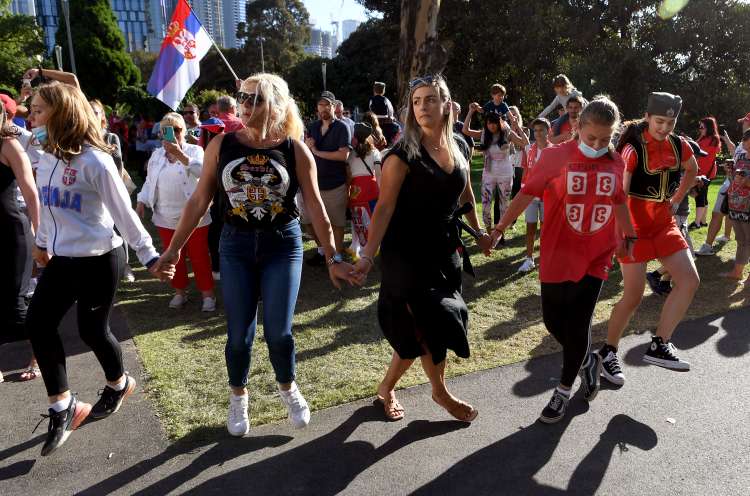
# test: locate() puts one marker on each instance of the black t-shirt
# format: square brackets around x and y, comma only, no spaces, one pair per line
[256,186]
[458,128]
[380,105]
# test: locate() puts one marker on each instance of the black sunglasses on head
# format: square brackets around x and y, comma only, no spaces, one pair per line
[242,97]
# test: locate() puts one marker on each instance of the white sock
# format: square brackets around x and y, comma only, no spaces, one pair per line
[321,251]
[61,405]
[564,392]
[290,391]
[121,384]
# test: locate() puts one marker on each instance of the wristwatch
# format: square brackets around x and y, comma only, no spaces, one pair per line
[335,259]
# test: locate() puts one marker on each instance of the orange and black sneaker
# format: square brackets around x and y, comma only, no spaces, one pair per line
[110,400]
[62,424]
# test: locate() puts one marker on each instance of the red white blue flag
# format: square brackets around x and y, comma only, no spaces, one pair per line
[178,65]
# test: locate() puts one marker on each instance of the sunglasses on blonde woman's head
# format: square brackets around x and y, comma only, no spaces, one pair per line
[243,97]
[422,80]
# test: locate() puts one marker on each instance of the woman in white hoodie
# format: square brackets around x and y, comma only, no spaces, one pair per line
[82,200]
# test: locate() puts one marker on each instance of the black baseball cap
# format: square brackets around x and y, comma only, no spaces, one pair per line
[327,95]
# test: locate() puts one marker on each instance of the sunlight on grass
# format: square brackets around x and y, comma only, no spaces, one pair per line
[340,349]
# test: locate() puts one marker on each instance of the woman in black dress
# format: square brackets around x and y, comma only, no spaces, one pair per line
[420,309]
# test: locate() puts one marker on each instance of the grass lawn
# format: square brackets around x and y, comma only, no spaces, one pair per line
[340,350]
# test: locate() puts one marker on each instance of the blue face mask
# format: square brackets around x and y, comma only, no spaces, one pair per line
[592,152]
[40,133]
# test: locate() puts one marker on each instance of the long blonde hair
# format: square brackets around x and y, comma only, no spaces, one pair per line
[412,136]
[282,113]
[72,123]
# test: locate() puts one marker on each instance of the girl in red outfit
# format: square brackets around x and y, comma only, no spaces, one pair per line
[709,141]
[654,158]
[581,182]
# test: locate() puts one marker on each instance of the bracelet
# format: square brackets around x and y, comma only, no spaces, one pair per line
[367,258]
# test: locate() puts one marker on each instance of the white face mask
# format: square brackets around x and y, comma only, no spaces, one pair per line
[592,152]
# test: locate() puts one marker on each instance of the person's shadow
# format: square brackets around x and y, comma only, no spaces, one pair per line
[509,465]
[325,465]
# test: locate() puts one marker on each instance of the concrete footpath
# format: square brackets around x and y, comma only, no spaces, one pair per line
[663,433]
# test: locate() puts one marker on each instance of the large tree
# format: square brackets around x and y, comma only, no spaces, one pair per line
[283,26]
[102,64]
[21,46]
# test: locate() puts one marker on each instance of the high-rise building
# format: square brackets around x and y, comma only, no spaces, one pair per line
[322,43]
[210,13]
[348,27]
[131,17]
[47,17]
[159,14]
[234,13]
[23,7]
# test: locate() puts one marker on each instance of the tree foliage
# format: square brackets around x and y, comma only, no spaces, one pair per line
[21,46]
[284,27]
[102,64]
[618,47]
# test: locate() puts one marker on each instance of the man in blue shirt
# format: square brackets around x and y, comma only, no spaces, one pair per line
[330,141]
[338,111]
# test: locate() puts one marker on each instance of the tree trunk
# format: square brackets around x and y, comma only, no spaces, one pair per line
[419,51]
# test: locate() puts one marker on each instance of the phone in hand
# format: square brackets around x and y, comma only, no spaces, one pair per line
[167,133]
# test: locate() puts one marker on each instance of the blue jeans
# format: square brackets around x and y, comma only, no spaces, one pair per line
[255,263]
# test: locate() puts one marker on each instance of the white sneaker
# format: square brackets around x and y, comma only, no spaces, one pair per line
[209,304]
[178,301]
[238,423]
[527,265]
[299,412]
[128,276]
[705,250]
[32,287]
[722,239]
[216,276]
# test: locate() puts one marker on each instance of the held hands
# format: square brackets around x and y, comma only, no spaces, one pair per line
[344,272]
[164,268]
[475,107]
[485,243]
[41,257]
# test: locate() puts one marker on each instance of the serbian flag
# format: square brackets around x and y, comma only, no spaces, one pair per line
[178,65]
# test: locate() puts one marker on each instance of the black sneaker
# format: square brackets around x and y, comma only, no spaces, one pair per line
[693,226]
[611,369]
[665,287]
[61,424]
[316,260]
[663,355]
[653,279]
[110,400]
[555,409]
[590,376]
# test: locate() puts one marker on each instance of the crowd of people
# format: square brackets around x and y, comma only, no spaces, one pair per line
[233,186]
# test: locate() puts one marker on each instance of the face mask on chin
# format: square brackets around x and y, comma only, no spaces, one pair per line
[592,152]
[40,134]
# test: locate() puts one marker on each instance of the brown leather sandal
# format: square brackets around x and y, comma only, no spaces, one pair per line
[460,410]
[392,408]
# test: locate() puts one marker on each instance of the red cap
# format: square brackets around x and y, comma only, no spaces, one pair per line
[744,119]
[10,105]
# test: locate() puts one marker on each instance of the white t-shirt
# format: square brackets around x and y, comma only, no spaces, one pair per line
[357,168]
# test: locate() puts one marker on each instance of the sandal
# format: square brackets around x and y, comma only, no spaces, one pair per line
[392,408]
[460,410]
[30,374]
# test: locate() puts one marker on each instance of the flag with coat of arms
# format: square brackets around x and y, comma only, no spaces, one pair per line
[178,65]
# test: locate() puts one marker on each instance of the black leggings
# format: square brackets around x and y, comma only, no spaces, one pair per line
[92,282]
[568,308]
[15,273]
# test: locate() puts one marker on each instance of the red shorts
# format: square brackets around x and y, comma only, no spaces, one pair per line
[656,242]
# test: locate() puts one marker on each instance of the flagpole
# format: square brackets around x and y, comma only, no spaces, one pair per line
[236,77]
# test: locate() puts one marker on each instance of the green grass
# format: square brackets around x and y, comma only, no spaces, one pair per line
[340,350]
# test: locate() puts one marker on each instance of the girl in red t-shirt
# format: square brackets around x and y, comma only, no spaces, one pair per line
[660,170]
[709,140]
[581,182]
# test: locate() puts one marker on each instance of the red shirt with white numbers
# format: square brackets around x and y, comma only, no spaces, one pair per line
[579,193]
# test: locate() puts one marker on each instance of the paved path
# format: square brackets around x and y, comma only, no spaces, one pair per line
[664,433]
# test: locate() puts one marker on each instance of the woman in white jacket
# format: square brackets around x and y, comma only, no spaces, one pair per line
[82,199]
[173,173]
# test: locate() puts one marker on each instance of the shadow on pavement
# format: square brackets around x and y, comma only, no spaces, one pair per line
[513,461]
[325,465]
